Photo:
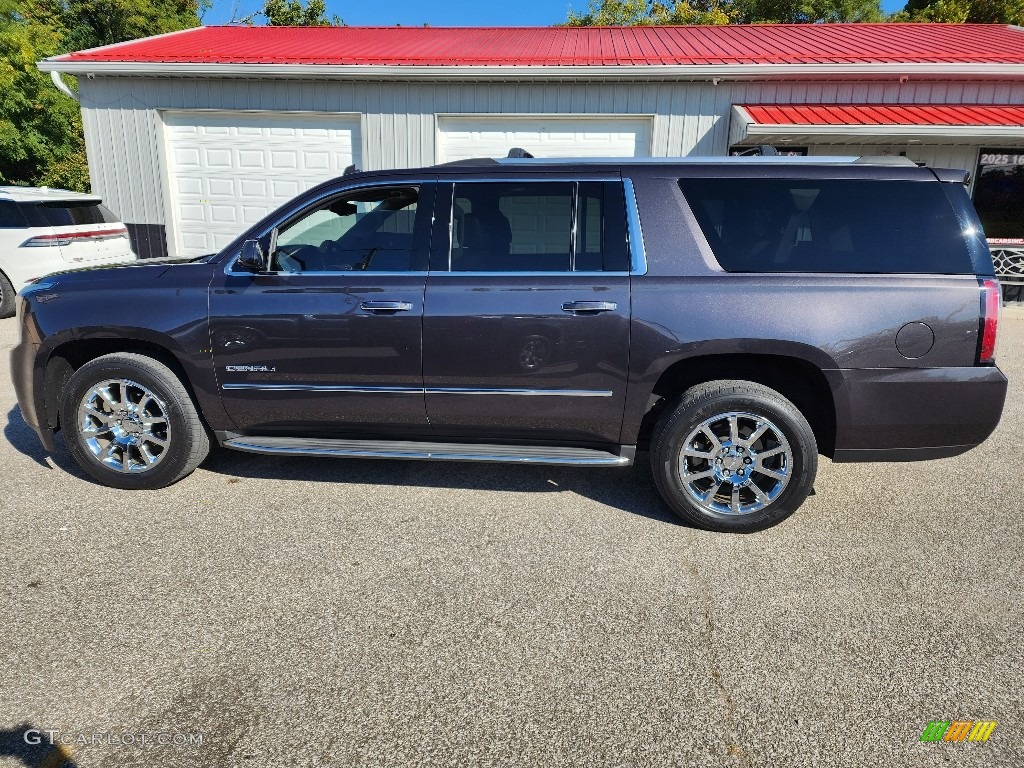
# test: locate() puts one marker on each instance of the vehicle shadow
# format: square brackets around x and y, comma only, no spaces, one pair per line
[25,441]
[31,746]
[630,489]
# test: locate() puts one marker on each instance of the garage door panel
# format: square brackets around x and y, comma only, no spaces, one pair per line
[460,138]
[227,171]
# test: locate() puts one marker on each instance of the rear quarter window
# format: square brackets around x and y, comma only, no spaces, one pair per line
[68,214]
[830,225]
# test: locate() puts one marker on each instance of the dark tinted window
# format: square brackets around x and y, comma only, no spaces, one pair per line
[66,214]
[11,216]
[999,193]
[834,225]
[601,242]
[528,227]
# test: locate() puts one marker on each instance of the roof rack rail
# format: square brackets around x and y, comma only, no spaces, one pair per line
[468,161]
[884,160]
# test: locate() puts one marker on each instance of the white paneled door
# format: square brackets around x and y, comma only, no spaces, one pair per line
[228,170]
[459,138]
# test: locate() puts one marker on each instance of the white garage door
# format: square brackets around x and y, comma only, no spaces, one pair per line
[460,138]
[227,171]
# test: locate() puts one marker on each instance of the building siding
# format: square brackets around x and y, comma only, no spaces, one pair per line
[124,141]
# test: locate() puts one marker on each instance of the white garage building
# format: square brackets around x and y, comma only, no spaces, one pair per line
[194,135]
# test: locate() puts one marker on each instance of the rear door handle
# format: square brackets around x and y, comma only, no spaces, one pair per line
[386,306]
[589,306]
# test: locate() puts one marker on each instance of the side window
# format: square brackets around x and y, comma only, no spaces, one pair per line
[377,230]
[510,227]
[828,225]
[11,216]
[529,227]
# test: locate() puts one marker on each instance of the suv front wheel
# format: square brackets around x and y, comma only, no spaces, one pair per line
[130,423]
[734,456]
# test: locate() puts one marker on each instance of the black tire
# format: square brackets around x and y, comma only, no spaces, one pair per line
[710,401]
[188,442]
[7,295]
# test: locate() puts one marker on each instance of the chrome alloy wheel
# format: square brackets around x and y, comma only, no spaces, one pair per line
[735,463]
[124,426]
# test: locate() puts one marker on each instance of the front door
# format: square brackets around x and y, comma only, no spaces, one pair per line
[526,326]
[329,339]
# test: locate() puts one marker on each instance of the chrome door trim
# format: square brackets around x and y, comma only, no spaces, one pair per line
[519,392]
[357,389]
[325,388]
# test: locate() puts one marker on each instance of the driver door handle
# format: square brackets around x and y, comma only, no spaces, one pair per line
[589,306]
[386,306]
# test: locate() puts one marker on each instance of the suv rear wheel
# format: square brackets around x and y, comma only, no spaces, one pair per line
[130,423]
[734,456]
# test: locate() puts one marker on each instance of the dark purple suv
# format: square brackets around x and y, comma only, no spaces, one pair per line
[733,317]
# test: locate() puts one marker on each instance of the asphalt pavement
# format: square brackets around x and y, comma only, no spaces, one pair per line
[318,612]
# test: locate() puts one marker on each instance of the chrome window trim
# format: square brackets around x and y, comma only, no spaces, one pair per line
[412,182]
[359,389]
[637,251]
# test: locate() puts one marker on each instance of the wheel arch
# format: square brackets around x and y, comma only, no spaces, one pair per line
[70,354]
[795,378]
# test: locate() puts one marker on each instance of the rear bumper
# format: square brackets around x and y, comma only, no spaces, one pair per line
[909,414]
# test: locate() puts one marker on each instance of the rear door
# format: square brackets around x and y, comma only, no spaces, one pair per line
[526,323]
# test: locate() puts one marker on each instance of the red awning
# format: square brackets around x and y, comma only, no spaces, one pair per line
[972,124]
[886,114]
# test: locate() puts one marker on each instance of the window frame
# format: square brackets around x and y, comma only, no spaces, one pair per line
[305,207]
[634,245]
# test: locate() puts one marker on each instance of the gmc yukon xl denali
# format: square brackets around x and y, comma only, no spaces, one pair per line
[735,318]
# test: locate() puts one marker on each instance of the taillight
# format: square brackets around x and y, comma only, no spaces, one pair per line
[991,301]
[66,238]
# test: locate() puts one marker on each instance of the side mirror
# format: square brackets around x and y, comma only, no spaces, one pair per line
[252,257]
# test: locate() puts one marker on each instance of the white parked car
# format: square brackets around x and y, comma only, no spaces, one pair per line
[46,230]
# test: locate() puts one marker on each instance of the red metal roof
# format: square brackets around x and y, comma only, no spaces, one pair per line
[574,46]
[886,114]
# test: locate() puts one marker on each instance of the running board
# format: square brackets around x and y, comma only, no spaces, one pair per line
[391,449]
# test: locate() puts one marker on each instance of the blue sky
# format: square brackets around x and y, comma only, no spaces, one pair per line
[438,13]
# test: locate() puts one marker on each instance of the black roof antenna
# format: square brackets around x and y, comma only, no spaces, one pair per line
[518,152]
[350,170]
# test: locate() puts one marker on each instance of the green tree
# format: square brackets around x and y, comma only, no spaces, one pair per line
[41,139]
[292,13]
[960,11]
[618,13]
[40,128]
[807,11]
[632,12]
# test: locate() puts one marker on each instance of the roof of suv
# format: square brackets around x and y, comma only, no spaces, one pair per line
[44,195]
[898,160]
